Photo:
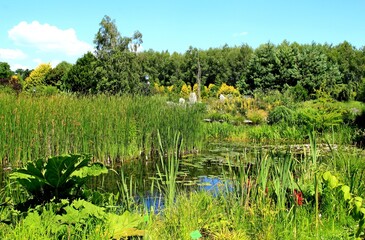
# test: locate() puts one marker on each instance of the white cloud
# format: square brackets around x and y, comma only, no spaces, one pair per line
[10,54]
[240,34]
[37,60]
[48,38]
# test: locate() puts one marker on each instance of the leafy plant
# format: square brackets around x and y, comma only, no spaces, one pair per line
[59,177]
[355,203]
[119,226]
[282,114]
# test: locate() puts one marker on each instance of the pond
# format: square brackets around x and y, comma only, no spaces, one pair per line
[211,170]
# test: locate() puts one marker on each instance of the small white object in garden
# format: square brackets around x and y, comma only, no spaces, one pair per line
[193,98]
[182,101]
[222,98]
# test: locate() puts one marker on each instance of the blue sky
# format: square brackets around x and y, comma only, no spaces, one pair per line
[50,31]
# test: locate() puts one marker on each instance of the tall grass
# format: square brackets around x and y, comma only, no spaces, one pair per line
[110,128]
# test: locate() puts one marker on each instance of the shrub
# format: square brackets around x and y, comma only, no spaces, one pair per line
[257,116]
[226,90]
[282,114]
[185,91]
[320,114]
[49,90]
[158,89]
[212,90]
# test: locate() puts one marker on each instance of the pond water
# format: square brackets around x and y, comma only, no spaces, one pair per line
[200,171]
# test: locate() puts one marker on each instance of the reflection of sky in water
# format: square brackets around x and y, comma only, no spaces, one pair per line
[215,185]
[155,202]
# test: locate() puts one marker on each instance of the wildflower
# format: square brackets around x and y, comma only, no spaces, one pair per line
[298,197]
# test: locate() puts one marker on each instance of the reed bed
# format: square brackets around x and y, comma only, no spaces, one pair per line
[111,128]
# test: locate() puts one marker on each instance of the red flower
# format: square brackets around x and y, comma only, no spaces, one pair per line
[298,197]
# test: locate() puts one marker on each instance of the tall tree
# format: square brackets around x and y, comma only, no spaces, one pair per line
[107,38]
[316,70]
[23,73]
[117,68]
[5,71]
[263,69]
[81,77]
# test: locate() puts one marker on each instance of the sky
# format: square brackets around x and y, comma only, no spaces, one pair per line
[51,31]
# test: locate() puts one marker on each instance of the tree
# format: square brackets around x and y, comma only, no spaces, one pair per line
[117,69]
[288,55]
[107,38]
[263,69]
[37,76]
[56,77]
[23,73]
[316,71]
[5,71]
[81,77]
[120,73]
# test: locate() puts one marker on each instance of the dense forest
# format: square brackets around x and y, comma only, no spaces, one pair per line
[117,67]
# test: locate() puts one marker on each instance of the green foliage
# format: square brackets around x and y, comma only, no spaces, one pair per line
[282,114]
[119,73]
[355,203]
[273,67]
[57,76]
[79,220]
[257,116]
[81,77]
[57,177]
[321,114]
[5,71]
[38,76]
[111,128]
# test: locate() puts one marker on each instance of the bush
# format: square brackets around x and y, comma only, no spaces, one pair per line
[226,90]
[185,91]
[257,116]
[282,114]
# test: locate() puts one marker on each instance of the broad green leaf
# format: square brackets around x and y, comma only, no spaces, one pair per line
[89,209]
[195,234]
[327,175]
[95,169]
[357,203]
[125,225]
[55,168]
[34,186]
[346,192]
[21,175]
[333,182]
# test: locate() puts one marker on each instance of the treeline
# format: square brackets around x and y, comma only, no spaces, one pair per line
[117,66]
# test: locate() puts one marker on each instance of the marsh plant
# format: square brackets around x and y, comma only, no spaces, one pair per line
[111,128]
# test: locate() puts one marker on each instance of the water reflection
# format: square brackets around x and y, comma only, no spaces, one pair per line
[214,185]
